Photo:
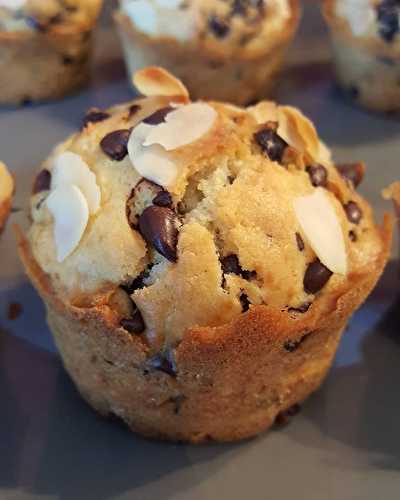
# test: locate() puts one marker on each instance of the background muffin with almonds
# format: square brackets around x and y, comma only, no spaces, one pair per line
[199,261]
[230,50]
[366,44]
[45,48]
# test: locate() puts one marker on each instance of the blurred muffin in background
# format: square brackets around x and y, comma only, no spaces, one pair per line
[44,48]
[6,191]
[229,50]
[366,45]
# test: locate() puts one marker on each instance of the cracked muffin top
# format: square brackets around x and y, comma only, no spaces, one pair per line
[47,15]
[375,20]
[192,212]
[219,25]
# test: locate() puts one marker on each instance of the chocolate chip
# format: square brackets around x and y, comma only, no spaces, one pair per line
[352,236]
[135,324]
[67,60]
[163,362]
[14,311]
[42,182]
[301,309]
[353,212]
[94,115]
[244,300]
[271,144]
[178,402]
[284,417]
[318,175]
[388,13]
[115,144]
[230,265]
[354,172]
[158,226]
[138,282]
[218,26]
[135,108]
[159,116]
[163,199]
[316,277]
[300,242]
[293,345]
[26,101]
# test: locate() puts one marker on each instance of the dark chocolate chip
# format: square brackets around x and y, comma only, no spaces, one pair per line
[159,116]
[271,144]
[178,402]
[135,324]
[218,27]
[115,144]
[138,282]
[135,108]
[163,362]
[354,172]
[354,92]
[158,226]
[388,13]
[353,212]
[352,236]
[292,345]
[42,182]
[284,417]
[318,175]
[67,60]
[244,300]
[316,277]
[300,242]
[163,199]
[230,265]
[301,309]
[94,115]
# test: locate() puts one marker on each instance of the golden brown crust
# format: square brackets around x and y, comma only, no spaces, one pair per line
[207,68]
[5,207]
[231,381]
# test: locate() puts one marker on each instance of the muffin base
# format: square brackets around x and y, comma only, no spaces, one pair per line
[209,73]
[39,67]
[232,381]
[5,207]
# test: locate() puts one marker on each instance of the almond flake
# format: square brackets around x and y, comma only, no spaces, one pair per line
[321,227]
[70,212]
[156,81]
[298,131]
[152,162]
[70,169]
[265,111]
[6,183]
[183,126]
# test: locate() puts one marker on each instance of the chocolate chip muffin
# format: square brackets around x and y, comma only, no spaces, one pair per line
[44,48]
[199,261]
[221,49]
[366,45]
[6,192]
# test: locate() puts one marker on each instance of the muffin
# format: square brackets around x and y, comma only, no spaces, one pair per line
[44,48]
[229,50]
[199,261]
[366,46]
[6,192]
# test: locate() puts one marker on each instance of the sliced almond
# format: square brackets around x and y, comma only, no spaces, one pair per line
[265,111]
[156,81]
[321,227]
[152,162]
[183,126]
[70,212]
[298,131]
[6,183]
[70,169]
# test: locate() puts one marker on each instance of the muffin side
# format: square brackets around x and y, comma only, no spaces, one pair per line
[6,192]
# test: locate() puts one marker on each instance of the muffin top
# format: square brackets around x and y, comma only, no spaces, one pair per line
[47,15]
[220,24]
[198,211]
[376,19]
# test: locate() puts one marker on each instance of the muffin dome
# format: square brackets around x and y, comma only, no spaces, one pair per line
[215,214]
